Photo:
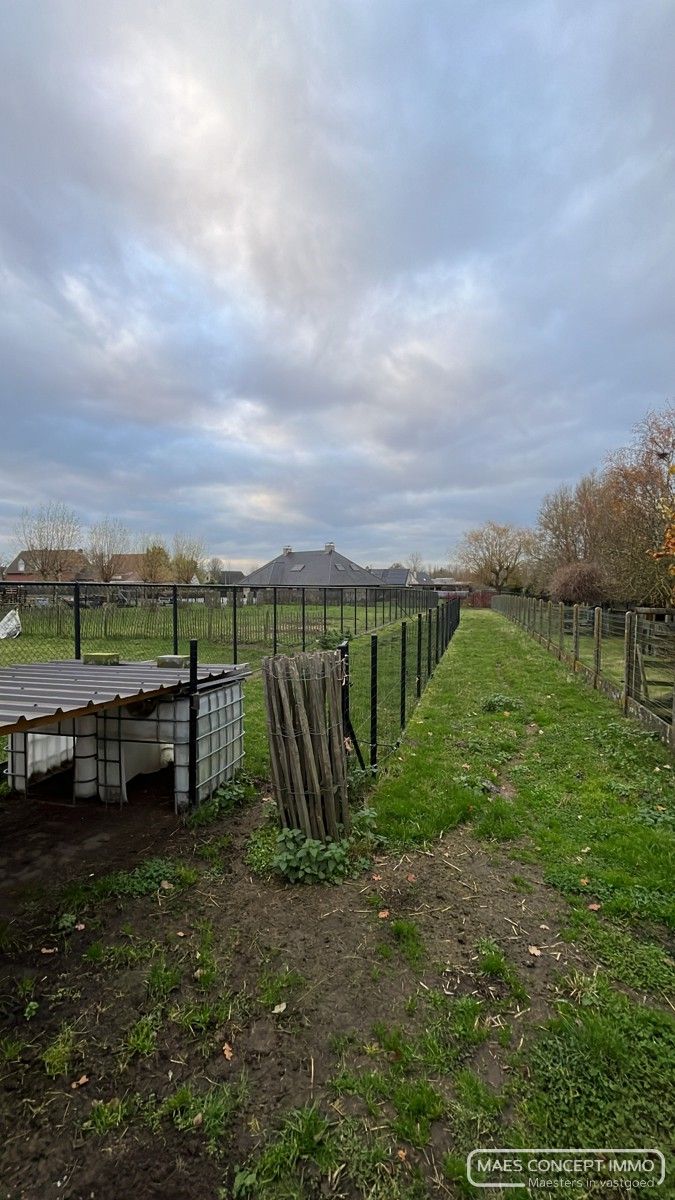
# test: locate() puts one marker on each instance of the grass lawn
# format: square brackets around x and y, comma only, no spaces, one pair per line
[498,974]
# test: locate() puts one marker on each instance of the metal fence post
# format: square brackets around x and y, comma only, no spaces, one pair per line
[366,591]
[77,621]
[192,749]
[174,616]
[389,605]
[373,701]
[274,620]
[404,656]
[549,620]
[561,629]
[419,655]
[304,630]
[342,610]
[325,612]
[438,634]
[355,614]
[235,646]
[429,620]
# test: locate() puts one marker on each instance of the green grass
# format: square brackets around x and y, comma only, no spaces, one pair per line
[580,775]
[275,987]
[408,938]
[154,876]
[58,1056]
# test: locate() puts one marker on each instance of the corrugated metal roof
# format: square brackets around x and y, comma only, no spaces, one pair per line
[43,692]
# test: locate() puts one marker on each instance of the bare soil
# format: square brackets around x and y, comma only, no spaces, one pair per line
[461,892]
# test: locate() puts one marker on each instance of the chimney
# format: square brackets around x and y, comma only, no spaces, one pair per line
[329,547]
[288,549]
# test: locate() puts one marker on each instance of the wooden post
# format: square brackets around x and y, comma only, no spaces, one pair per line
[549,610]
[561,629]
[303,700]
[597,645]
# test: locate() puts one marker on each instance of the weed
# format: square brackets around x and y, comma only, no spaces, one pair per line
[208,1113]
[521,884]
[141,1039]
[500,703]
[146,879]
[306,860]
[122,954]
[161,980]
[493,964]
[107,1115]
[229,796]
[274,987]
[408,937]
[213,850]
[59,1054]
[11,1049]
[261,850]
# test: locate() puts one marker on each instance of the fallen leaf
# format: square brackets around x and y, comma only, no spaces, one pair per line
[583,882]
[411,878]
[197,1120]
[402,1155]
[660,807]
[78,1083]
[180,933]
[377,878]
[383,914]
[594,907]
[48,950]
[168,887]
[279,1008]
[535,951]
[466,766]
[586,850]
[544,926]
[227,1051]
[80,926]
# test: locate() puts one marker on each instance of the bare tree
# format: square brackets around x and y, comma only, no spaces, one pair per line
[49,536]
[108,540]
[188,553]
[493,553]
[414,562]
[213,569]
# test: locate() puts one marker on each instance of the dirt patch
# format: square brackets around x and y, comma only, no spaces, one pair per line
[329,938]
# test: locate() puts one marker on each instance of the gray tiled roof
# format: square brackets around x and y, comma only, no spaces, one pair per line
[313,568]
[393,576]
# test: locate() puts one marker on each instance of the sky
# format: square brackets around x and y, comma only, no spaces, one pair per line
[288,271]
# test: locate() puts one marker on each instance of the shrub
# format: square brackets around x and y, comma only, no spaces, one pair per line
[579,583]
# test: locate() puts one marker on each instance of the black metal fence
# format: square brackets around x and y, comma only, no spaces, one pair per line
[232,624]
[387,674]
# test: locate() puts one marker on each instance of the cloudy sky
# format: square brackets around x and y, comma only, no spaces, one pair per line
[283,271]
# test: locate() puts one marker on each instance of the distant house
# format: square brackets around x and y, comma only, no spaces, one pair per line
[128,568]
[229,577]
[423,578]
[395,576]
[311,568]
[74,565]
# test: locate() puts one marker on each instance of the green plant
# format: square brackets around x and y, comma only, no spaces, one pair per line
[11,1049]
[407,935]
[306,860]
[498,702]
[274,986]
[107,1115]
[209,1113]
[148,878]
[141,1039]
[261,850]
[229,796]
[58,1055]
[161,980]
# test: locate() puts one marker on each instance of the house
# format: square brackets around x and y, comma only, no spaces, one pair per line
[396,576]
[229,577]
[311,568]
[69,565]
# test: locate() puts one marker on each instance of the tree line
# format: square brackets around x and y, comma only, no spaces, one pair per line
[49,535]
[607,538]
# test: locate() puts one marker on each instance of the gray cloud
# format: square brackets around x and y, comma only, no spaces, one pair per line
[301,270]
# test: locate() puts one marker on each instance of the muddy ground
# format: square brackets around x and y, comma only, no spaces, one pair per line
[332,937]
